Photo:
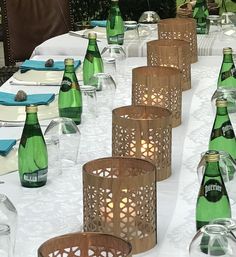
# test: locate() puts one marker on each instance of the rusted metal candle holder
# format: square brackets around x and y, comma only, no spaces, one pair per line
[180,28]
[120,199]
[143,132]
[85,244]
[158,86]
[171,53]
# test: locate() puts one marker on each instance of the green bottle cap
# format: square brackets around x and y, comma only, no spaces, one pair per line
[221,102]
[69,61]
[227,50]
[212,156]
[31,108]
[92,35]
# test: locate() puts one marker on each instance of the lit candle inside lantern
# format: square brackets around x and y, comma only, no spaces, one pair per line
[126,213]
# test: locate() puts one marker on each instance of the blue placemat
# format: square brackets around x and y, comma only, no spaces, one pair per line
[98,23]
[36,99]
[6,146]
[40,65]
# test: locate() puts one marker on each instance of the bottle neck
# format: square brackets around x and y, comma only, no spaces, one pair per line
[212,169]
[69,68]
[221,111]
[92,42]
[228,58]
[31,118]
[114,4]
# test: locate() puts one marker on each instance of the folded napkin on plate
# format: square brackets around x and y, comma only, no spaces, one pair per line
[36,99]
[40,65]
[6,146]
[99,23]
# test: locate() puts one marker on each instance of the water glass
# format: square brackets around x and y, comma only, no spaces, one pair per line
[8,216]
[62,137]
[131,30]
[5,241]
[212,240]
[89,100]
[106,88]
[110,66]
[117,52]
[215,23]
[149,18]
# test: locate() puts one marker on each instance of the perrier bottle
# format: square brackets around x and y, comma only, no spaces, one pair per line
[227,75]
[115,25]
[213,200]
[92,62]
[32,153]
[70,97]
[200,14]
[222,134]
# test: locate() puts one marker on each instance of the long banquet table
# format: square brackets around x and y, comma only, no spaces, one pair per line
[66,44]
[57,208]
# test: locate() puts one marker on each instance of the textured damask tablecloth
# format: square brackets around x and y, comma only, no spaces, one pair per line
[56,208]
[211,44]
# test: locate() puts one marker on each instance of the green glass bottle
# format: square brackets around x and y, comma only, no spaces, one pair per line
[222,134]
[32,152]
[227,75]
[213,200]
[115,25]
[200,14]
[70,96]
[92,62]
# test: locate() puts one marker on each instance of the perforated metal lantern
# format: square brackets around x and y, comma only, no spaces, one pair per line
[171,53]
[119,197]
[85,244]
[180,28]
[158,86]
[144,132]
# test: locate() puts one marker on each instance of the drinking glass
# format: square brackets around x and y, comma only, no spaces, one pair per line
[215,23]
[110,66]
[131,30]
[149,18]
[62,137]
[8,216]
[89,100]
[228,172]
[212,240]
[5,241]
[117,52]
[106,88]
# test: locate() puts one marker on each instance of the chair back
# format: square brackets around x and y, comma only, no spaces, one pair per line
[28,23]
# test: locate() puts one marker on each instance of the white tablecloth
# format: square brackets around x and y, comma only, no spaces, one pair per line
[56,208]
[66,44]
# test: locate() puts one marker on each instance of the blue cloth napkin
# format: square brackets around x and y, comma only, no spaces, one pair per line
[36,99]
[40,65]
[6,146]
[98,23]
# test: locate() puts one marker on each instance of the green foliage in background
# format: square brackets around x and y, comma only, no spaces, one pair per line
[131,9]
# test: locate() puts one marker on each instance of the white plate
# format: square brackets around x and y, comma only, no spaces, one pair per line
[8,163]
[17,113]
[44,77]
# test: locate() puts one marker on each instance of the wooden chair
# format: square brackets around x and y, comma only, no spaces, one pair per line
[28,23]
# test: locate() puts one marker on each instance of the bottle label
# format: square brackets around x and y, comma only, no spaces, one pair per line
[213,190]
[230,73]
[90,55]
[67,84]
[36,176]
[117,39]
[226,130]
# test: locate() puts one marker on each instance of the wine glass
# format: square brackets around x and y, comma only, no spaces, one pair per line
[8,216]
[106,88]
[62,137]
[5,241]
[228,172]
[212,240]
